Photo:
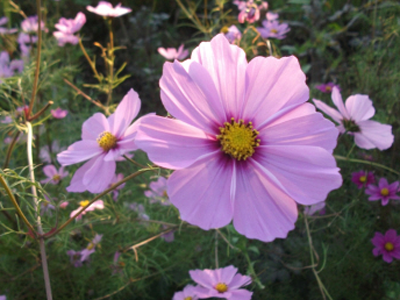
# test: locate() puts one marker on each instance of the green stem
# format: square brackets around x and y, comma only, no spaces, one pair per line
[10,149]
[96,74]
[110,62]
[253,272]
[367,162]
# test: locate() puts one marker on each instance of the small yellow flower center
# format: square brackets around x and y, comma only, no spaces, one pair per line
[84,203]
[274,31]
[165,194]
[90,246]
[221,287]
[363,178]
[238,139]
[107,141]
[389,246]
[188,298]
[56,177]
[225,29]
[384,192]
[328,88]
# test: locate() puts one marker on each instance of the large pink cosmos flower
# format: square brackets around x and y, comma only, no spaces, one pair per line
[244,144]
[353,118]
[106,9]
[387,245]
[103,142]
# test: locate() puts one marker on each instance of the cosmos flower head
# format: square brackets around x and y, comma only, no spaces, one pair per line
[353,119]
[75,258]
[387,245]
[271,16]
[98,204]
[249,11]
[232,33]
[46,207]
[7,67]
[273,29]
[54,176]
[244,143]
[67,28]
[189,292]
[4,30]
[59,113]
[327,87]
[106,9]
[313,209]
[172,53]
[31,25]
[384,191]
[158,192]
[91,247]
[362,178]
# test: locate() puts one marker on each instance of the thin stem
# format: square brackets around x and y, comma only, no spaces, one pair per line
[216,250]
[96,74]
[84,95]
[10,149]
[39,221]
[110,62]
[40,112]
[253,272]
[367,162]
[134,162]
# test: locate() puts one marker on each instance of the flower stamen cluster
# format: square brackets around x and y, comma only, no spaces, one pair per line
[221,287]
[238,139]
[350,126]
[107,141]
[389,246]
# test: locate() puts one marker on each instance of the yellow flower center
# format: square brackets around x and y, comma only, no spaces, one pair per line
[165,194]
[90,246]
[221,287]
[56,177]
[225,29]
[238,139]
[188,298]
[363,178]
[384,192]
[84,203]
[328,88]
[389,246]
[107,141]
[274,31]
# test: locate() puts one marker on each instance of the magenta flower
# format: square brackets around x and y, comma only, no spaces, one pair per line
[318,207]
[99,204]
[188,293]
[67,28]
[232,33]
[59,113]
[54,176]
[106,9]
[387,245]
[75,258]
[384,191]
[31,25]
[273,29]
[3,30]
[221,283]
[327,87]
[353,118]
[245,144]
[249,11]
[115,179]
[91,247]
[172,53]
[158,192]
[103,142]
[362,178]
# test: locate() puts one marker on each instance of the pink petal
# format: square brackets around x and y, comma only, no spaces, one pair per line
[226,64]
[173,144]
[241,295]
[307,173]
[76,185]
[126,111]
[374,135]
[338,101]
[387,257]
[225,275]
[239,280]
[333,113]
[50,171]
[165,53]
[271,85]
[78,152]
[206,278]
[99,176]
[391,235]
[360,107]
[93,126]
[261,211]
[202,192]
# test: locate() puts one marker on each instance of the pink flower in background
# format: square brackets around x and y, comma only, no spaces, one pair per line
[45,151]
[64,204]
[3,297]
[99,204]
[172,53]
[271,16]
[384,191]
[3,30]
[362,178]
[117,267]
[273,29]
[31,24]
[139,208]
[115,179]
[53,175]
[106,9]
[169,237]
[221,283]
[249,11]
[245,143]
[104,141]
[318,207]
[327,87]
[91,247]
[353,118]
[75,258]
[67,28]
[158,192]
[59,113]
[7,67]
[188,293]
[387,245]
[232,34]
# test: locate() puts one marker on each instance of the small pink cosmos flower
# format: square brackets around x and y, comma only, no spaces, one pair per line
[7,67]
[362,178]
[318,207]
[353,118]
[31,24]
[272,16]
[59,113]
[387,245]
[249,11]
[54,176]
[221,283]
[99,204]
[75,258]
[64,204]
[67,28]
[91,247]
[232,33]
[188,293]
[245,144]
[158,192]
[327,87]
[384,191]
[172,53]
[273,29]
[106,9]
[104,141]
[3,30]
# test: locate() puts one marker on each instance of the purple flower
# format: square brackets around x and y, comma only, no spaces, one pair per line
[362,178]
[384,191]
[103,142]
[30,25]
[221,283]
[117,266]
[75,258]
[139,208]
[188,293]
[327,87]
[387,245]
[3,297]
[172,53]
[67,28]
[353,118]
[54,176]
[273,29]
[91,247]
[59,113]
[4,30]
[106,9]
[312,209]
[169,237]
[249,11]
[115,179]
[7,67]
[158,192]
[232,34]
[46,206]
[98,204]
